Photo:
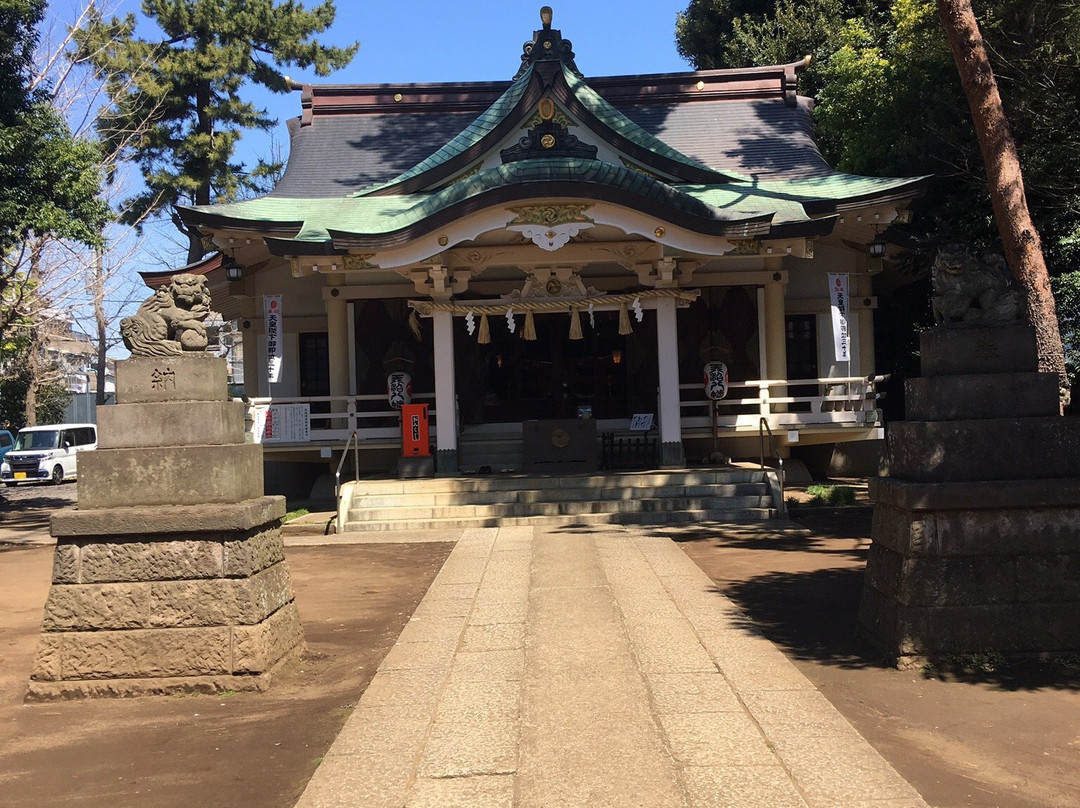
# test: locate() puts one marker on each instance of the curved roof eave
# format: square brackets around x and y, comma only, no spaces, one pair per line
[484,133]
[566,178]
[469,145]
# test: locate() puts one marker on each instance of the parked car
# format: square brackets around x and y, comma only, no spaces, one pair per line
[7,440]
[47,453]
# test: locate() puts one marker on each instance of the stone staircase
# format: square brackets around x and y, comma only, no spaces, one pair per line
[645,497]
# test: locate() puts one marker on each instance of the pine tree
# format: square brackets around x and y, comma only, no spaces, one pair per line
[180,92]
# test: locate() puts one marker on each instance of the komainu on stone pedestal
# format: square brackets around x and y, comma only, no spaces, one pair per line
[970,291]
[170,321]
[170,576]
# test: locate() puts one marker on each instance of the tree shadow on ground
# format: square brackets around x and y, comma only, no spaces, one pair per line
[809,605]
[810,615]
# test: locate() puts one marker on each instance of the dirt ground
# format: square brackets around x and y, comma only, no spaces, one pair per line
[997,739]
[965,738]
[237,751]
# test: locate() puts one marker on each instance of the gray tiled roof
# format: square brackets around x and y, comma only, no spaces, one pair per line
[763,138]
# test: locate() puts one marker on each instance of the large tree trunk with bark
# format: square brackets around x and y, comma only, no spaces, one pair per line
[1020,239]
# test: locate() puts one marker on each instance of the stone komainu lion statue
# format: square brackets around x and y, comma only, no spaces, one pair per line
[970,291]
[171,320]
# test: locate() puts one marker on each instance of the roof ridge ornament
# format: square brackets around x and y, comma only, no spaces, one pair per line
[547,45]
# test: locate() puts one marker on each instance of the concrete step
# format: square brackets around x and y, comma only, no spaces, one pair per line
[513,482]
[449,498]
[675,496]
[648,517]
[566,508]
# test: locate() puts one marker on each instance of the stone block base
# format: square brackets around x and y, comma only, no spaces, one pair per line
[409,468]
[999,571]
[446,462]
[672,455]
[207,685]
[200,604]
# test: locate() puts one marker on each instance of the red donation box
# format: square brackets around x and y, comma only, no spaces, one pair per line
[414,430]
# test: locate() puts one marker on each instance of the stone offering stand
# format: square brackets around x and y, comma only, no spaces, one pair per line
[170,576]
[976,535]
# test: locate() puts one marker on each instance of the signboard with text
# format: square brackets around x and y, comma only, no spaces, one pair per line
[282,423]
[274,349]
[838,305]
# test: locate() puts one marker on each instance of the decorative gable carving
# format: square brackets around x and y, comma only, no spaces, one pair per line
[550,227]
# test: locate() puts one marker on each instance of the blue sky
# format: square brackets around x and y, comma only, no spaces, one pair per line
[479,40]
[421,40]
[426,41]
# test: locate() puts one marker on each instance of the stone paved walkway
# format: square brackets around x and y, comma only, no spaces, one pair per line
[592,667]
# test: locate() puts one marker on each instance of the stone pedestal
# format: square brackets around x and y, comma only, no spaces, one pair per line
[976,533]
[170,576]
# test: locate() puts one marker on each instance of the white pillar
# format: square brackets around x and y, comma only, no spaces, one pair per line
[445,393]
[667,356]
[774,331]
[337,338]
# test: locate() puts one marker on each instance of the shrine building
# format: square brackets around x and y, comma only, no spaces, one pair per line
[557,249]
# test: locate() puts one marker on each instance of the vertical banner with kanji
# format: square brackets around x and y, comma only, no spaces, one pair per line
[838,303]
[274,350]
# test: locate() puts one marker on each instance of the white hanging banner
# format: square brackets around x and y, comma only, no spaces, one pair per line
[274,347]
[838,303]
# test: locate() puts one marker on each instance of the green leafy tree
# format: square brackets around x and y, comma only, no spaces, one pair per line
[52,397]
[1067,295]
[174,99]
[49,180]
[890,102]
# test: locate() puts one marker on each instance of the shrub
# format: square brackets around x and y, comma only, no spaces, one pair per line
[835,495]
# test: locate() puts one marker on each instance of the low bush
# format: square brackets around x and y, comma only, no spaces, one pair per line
[835,495]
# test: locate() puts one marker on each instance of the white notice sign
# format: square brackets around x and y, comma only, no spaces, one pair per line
[282,423]
[838,303]
[274,351]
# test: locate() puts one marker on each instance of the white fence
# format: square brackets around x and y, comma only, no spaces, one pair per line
[786,404]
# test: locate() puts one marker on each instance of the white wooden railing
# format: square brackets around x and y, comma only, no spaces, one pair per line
[370,416]
[842,402]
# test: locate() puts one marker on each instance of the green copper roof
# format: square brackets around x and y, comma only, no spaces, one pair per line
[495,117]
[469,137]
[446,186]
[375,218]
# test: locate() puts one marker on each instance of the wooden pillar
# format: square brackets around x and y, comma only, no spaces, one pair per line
[775,331]
[667,355]
[251,334]
[337,328]
[446,455]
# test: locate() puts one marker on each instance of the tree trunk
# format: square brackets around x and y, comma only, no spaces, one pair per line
[33,350]
[1020,239]
[101,323]
[202,164]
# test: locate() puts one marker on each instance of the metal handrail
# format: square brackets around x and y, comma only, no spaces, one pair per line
[353,441]
[763,427]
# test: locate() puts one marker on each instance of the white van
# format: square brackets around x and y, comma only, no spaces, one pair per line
[47,453]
